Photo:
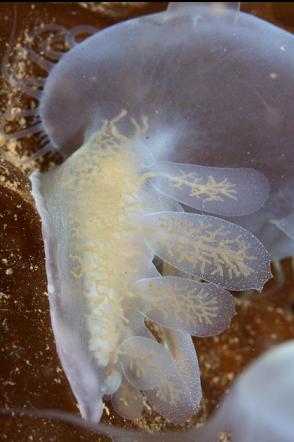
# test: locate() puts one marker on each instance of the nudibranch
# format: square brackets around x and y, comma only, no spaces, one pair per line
[130,108]
[105,216]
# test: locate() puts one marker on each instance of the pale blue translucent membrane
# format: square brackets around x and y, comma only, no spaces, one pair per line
[260,405]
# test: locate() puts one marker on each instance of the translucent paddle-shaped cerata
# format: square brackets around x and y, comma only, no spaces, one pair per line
[105,216]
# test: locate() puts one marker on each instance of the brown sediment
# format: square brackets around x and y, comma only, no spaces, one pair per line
[30,373]
[262,321]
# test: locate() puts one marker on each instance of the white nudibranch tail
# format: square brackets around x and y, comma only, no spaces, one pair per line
[105,216]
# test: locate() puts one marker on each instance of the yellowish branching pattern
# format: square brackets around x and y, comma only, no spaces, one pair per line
[205,247]
[207,190]
[169,392]
[190,307]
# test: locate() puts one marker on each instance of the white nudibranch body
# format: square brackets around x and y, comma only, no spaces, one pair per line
[107,211]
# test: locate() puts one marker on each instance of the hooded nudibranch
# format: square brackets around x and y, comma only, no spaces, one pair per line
[124,106]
